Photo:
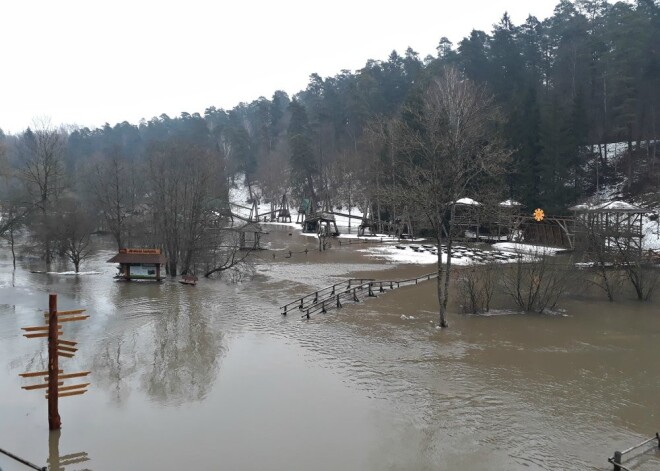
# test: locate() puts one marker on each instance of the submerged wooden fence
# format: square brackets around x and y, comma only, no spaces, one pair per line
[333,296]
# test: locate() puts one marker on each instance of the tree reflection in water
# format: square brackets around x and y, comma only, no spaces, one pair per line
[173,355]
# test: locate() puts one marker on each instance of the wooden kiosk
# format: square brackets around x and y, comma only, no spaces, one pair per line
[139,264]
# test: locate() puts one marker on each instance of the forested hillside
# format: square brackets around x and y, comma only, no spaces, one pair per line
[565,86]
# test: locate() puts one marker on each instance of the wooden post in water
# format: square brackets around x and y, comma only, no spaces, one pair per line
[54,421]
[618,457]
[53,376]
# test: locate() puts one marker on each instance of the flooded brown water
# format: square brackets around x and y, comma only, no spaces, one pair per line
[213,377]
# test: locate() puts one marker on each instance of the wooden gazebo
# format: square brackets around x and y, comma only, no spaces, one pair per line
[617,223]
[466,217]
[139,264]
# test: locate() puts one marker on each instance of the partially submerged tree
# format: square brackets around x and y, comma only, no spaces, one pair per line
[114,182]
[12,212]
[535,283]
[224,255]
[477,284]
[448,141]
[41,154]
[73,230]
[638,269]
[594,250]
[185,181]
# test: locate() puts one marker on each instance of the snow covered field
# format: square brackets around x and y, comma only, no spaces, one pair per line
[428,254]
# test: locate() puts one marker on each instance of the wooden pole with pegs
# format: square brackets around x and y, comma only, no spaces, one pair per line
[54,421]
[54,376]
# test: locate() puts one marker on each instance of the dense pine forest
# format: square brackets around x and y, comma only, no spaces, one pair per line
[563,88]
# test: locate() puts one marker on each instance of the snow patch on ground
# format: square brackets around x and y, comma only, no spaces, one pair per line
[651,231]
[527,248]
[73,273]
[374,238]
[427,254]
[392,254]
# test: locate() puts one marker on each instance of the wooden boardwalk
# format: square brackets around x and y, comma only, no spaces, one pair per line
[334,296]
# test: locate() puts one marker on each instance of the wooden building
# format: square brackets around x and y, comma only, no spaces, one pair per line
[139,264]
[249,236]
[466,218]
[616,224]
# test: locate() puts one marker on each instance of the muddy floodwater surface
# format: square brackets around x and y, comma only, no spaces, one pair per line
[214,377]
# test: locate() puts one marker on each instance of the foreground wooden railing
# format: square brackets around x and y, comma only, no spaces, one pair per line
[617,459]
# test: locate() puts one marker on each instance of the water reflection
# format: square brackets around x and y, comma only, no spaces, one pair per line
[58,462]
[185,351]
[166,345]
[114,363]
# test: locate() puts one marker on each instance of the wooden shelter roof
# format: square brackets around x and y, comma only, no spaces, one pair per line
[467,202]
[147,258]
[609,207]
[250,227]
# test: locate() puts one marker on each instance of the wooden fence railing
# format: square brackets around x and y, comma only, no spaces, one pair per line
[332,296]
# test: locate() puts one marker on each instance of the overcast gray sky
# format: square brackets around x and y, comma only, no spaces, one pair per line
[91,62]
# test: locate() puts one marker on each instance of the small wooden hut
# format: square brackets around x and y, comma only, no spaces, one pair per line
[249,236]
[139,264]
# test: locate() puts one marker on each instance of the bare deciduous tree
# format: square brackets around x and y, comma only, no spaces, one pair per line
[447,141]
[535,283]
[185,181]
[476,284]
[41,153]
[639,270]
[224,255]
[114,187]
[73,230]
[595,251]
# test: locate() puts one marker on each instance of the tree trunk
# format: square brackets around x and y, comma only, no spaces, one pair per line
[446,275]
[11,244]
[171,267]
[442,321]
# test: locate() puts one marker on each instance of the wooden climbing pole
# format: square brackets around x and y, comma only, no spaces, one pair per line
[54,377]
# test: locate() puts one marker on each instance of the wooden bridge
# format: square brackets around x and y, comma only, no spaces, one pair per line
[348,290]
